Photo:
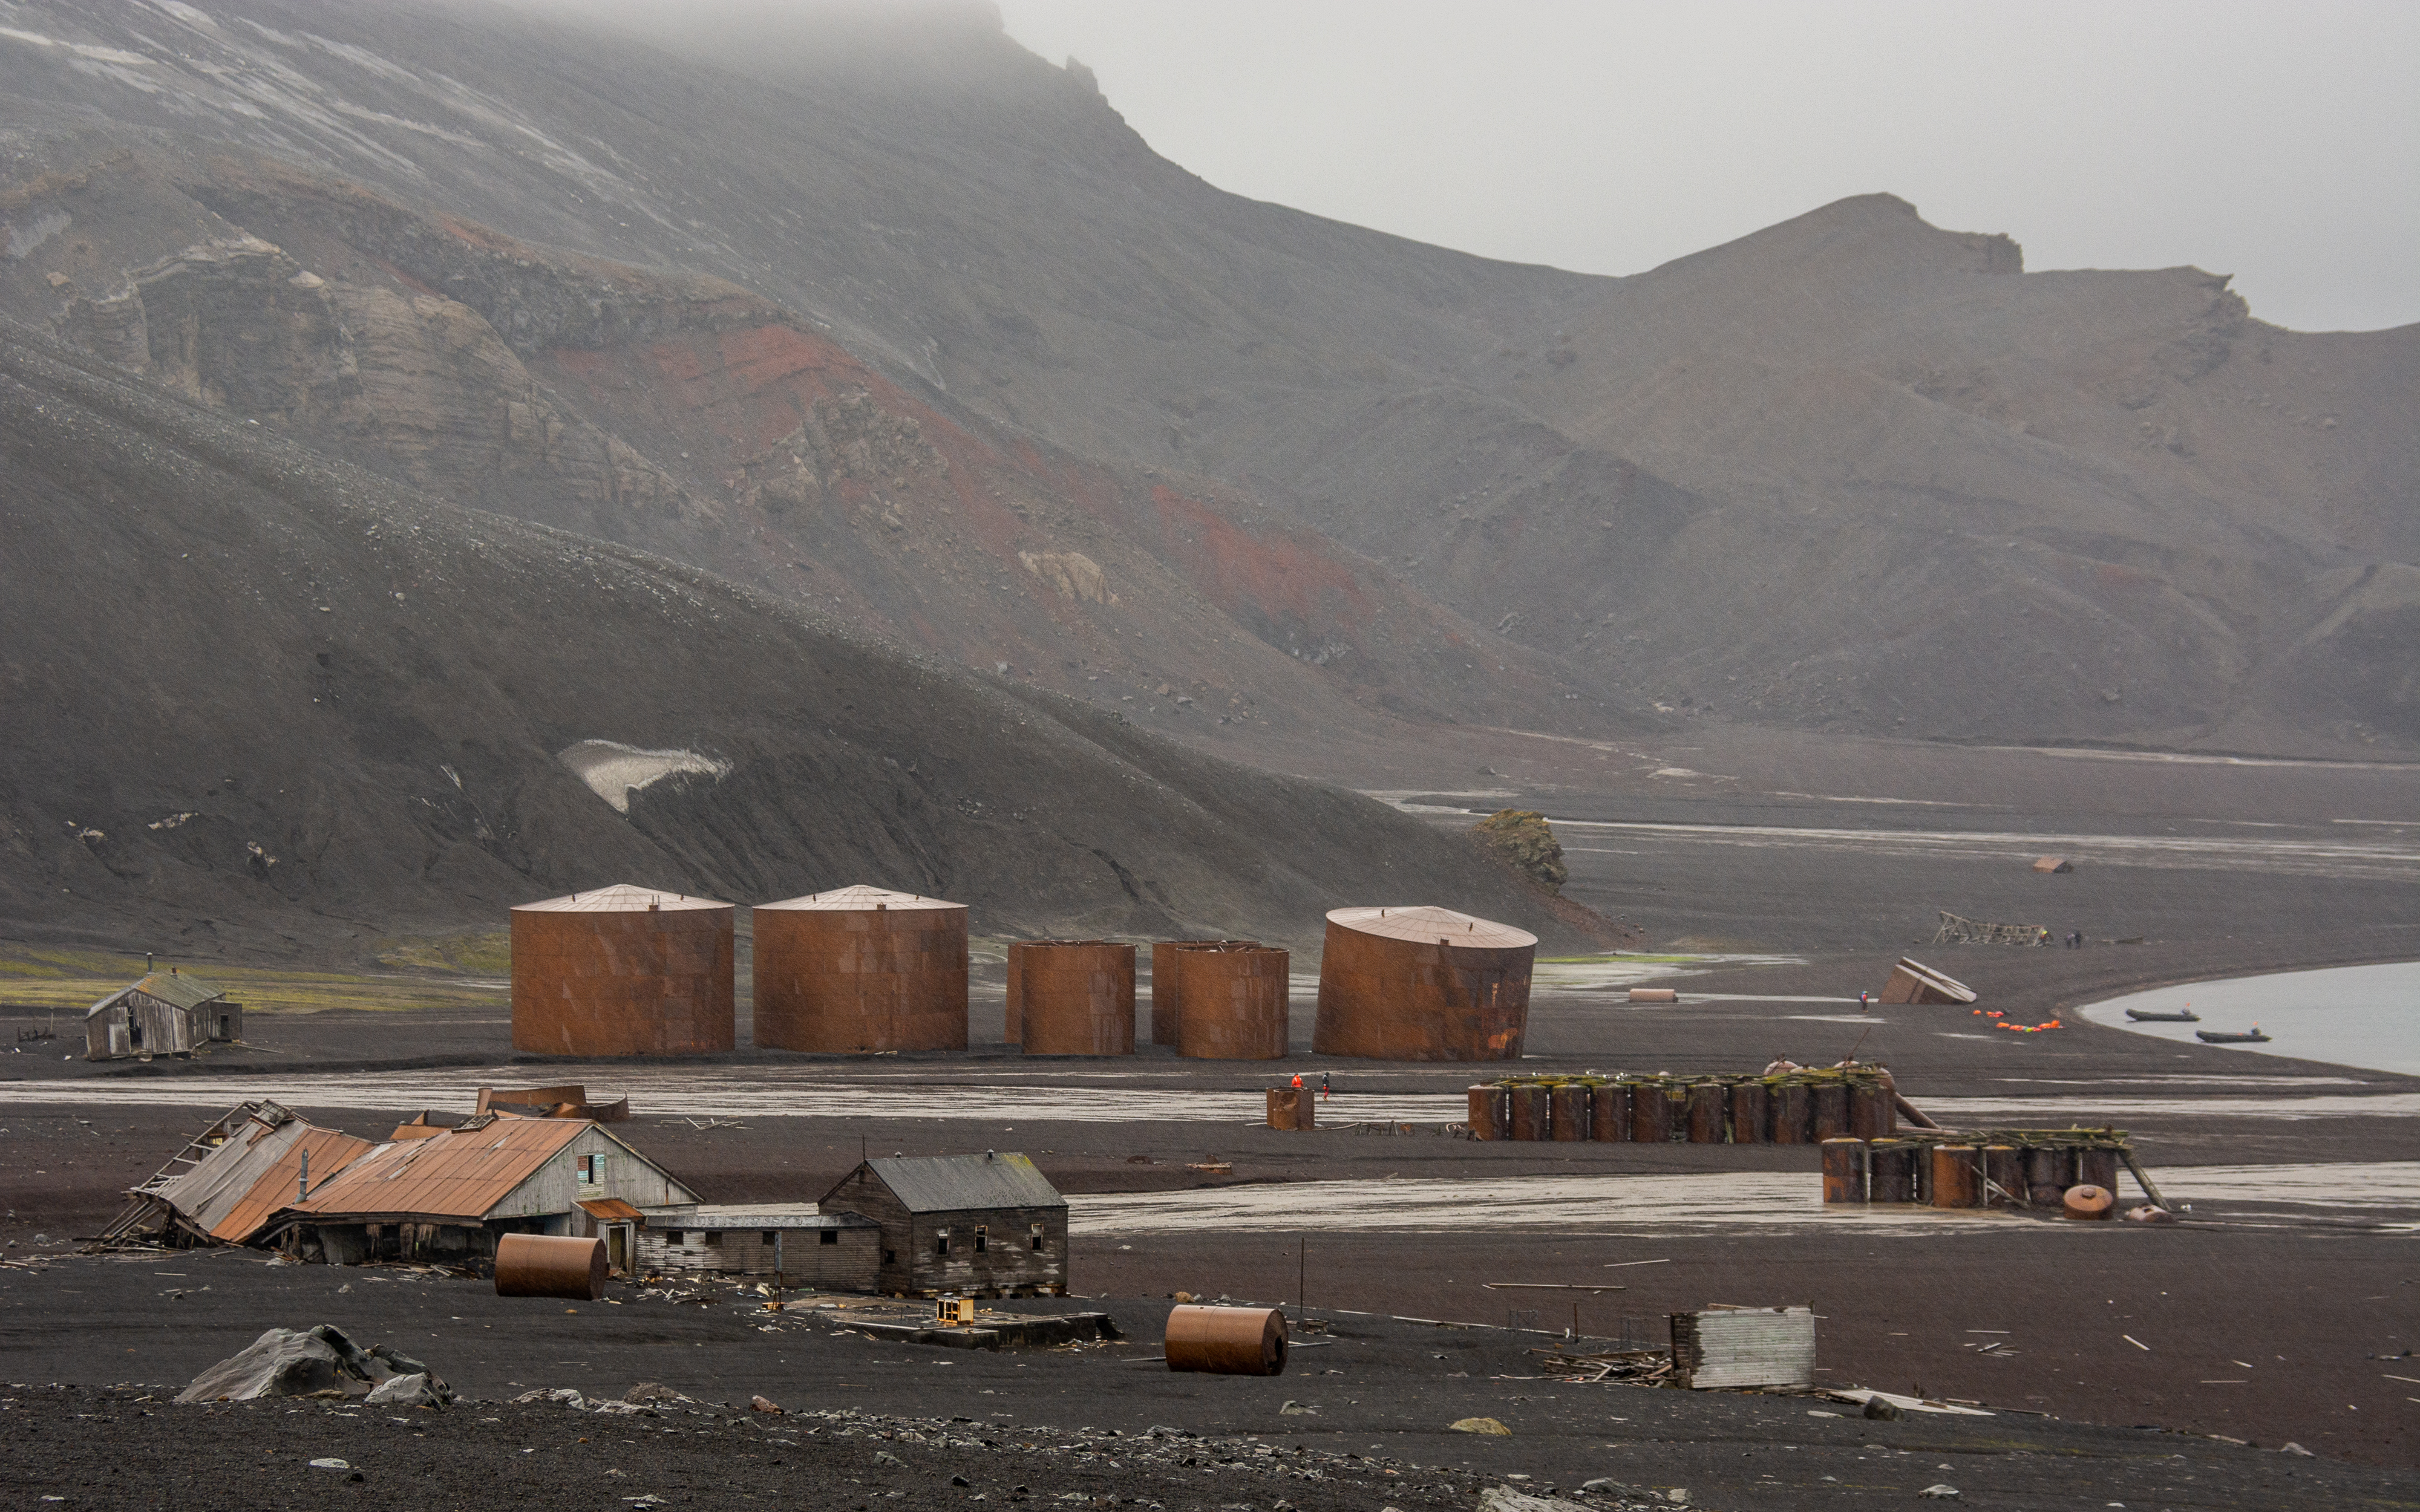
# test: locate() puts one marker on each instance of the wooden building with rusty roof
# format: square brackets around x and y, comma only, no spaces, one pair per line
[232,1177]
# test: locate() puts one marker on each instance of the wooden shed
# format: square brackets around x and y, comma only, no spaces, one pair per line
[780,1242]
[973,1226]
[166,1013]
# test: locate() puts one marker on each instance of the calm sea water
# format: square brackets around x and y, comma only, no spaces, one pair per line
[2365,1016]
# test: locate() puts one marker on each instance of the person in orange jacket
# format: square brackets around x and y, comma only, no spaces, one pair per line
[1297,1081]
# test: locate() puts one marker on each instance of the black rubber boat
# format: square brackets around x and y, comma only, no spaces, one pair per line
[2139,1016]
[2224,1037]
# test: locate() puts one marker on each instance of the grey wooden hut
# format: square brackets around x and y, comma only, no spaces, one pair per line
[967,1225]
[164,1014]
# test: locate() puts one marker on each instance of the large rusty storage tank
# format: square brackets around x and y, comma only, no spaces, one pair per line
[623,971]
[1234,997]
[1422,983]
[1072,997]
[1166,1006]
[861,970]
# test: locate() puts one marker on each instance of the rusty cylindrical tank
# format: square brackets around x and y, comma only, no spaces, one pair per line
[1750,1116]
[1227,1341]
[1707,1101]
[1844,1170]
[1293,1107]
[1235,996]
[1831,1101]
[1167,999]
[1957,1177]
[1793,1114]
[1609,1113]
[2004,1176]
[545,1265]
[1491,1117]
[623,971]
[2049,1172]
[2088,1202]
[1074,997]
[2096,1167]
[1570,1119]
[1652,1110]
[860,970]
[1893,1163]
[1422,985]
[1529,1112]
[1870,1114]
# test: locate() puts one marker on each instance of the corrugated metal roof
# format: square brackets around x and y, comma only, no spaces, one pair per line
[961,1183]
[859,898]
[621,898]
[167,986]
[459,1174]
[232,1190]
[1427,925]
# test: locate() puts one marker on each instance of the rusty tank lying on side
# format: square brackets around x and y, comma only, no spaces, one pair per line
[861,970]
[1422,983]
[623,971]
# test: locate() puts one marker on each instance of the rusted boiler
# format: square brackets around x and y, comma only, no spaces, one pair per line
[1422,983]
[1235,996]
[861,970]
[1072,997]
[623,971]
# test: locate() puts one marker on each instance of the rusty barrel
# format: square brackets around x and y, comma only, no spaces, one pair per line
[1073,997]
[2004,1168]
[1832,1111]
[1571,1111]
[1844,1170]
[1706,1104]
[545,1265]
[1234,997]
[1227,1341]
[2049,1172]
[1422,983]
[1793,1114]
[2096,1167]
[1167,993]
[861,970]
[2088,1202]
[1752,1113]
[1531,1107]
[1651,1114]
[1893,1163]
[624,971]
[1870,1114]
[1957,1177]
[1490,1116]
[1609,1113]
[1293,1107]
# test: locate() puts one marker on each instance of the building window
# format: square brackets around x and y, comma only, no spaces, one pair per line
[1034,1233]
[672,1236]
[941,1243]
[714,1239]
[891,1257]
[830,1236]
[982,1238]
[770,1237]
[592,1170]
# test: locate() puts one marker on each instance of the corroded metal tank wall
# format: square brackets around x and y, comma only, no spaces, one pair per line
[1166,1002]
[623,971]
[860,970]
[1072,997]
[1422,985]
[1234,996]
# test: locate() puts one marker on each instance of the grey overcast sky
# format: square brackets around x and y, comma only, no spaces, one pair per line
[2277,142]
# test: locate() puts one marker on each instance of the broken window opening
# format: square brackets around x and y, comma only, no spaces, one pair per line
[830,1236]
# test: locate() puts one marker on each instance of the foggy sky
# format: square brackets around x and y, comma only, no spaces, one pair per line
[2278,142]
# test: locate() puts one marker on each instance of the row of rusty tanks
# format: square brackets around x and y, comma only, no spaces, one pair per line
[628,971]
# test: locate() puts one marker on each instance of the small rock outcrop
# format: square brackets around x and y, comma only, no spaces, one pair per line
[318,1362]
[1523,840]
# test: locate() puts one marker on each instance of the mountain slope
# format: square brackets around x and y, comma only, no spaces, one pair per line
[254,696]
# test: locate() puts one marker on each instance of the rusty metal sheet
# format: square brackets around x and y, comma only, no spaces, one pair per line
[1073,997]
[459,1174]
[1235,997]
[861,970]
[624,971]
[1422,985]
[231,1191]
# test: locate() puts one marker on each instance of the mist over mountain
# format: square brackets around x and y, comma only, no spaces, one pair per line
[874,310]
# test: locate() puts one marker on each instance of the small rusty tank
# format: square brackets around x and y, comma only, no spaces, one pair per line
[547,1265]
[623,971]
[861,970]
[1234,996]
[1422,983]
[1072,997]
[1226,1341]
